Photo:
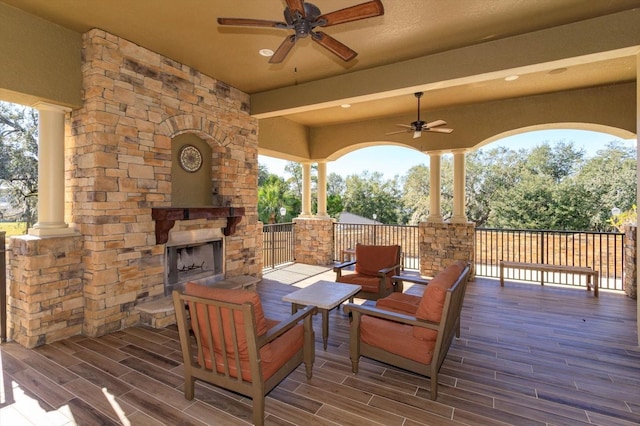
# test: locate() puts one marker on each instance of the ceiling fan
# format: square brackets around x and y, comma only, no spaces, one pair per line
[303,18]
[419,126]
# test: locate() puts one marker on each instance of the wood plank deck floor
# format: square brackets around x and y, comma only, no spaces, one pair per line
[529,355]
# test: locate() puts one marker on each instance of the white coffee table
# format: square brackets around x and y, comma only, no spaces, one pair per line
[325,295]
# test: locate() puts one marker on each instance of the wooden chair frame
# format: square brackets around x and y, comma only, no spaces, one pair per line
[448,325]
[257,388]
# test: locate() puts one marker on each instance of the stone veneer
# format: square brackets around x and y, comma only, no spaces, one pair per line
[118,166]
[630,261]
[46,299]
[314,240]
[441,244]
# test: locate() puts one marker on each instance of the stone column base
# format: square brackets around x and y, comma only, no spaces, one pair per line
[46,299]
[442,244]
[314,240]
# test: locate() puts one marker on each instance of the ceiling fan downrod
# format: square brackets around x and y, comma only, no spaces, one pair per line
[418,123]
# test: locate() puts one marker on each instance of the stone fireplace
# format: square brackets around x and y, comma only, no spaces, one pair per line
[121,148]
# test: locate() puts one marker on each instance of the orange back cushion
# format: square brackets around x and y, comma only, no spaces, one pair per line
[231,296]
[432,303]
[370,259]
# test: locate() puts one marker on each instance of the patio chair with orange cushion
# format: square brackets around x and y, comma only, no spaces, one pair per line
[411,332]
[374,267]
[235,346]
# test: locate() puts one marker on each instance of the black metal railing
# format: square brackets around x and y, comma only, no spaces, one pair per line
[278,244]
[601,251]
[347,235]
[604,252]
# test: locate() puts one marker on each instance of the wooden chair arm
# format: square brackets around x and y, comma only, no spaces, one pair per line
[385,271]
[286,325]
[415,280]
[356,310]
[341,266]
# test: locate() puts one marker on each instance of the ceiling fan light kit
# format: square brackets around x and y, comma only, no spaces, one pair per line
[419,126]
[304,18]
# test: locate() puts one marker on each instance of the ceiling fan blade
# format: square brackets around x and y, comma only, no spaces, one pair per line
[436,123]
[417,134]
[439,130]
[333,45]
[399,131]
[353,13]
[405,125]
[296,6]
[243,22]
[283,50]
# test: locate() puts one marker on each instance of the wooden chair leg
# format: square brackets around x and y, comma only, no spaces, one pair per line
[308,349]
[189,387]
[354,344]
[354,364]
[258,410]
[434,387]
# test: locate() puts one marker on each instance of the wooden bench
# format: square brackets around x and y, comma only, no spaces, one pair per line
[543,267]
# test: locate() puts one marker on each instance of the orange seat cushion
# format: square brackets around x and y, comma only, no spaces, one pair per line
[273,354]
[367,282]
[395,338]
[400,302]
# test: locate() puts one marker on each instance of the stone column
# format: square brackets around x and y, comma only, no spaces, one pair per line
[306,190]
[442,244]
[322,189]
[51,172]
[434,188]
[459,173]
[314,241]
[630,261]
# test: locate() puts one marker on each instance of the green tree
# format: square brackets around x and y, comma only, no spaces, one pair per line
[368,194]
[489,171]
[542,191]
[527,205]
[415,193]
[263,174]
[335,184]
[272,196]
[335,190]
[558,161]
[610,180]
[19,162]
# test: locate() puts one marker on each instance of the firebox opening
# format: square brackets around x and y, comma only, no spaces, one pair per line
[193,262]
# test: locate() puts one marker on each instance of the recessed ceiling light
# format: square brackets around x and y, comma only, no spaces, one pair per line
[511,77]
[346,105]
[266,52]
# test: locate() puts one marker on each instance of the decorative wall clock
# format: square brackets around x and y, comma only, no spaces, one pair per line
[190,158]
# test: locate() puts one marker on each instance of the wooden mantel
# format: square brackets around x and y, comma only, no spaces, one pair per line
[166,217]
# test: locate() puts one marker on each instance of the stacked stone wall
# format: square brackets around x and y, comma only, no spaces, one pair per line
[46,301]
[119,166]
[442,244]
[630,261]
[314,241]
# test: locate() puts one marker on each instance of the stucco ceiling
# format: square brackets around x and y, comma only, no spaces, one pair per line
[186,31]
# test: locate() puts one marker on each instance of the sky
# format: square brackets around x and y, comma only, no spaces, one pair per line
[394,160]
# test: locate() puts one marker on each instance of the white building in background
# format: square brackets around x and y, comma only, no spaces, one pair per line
[346,217]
